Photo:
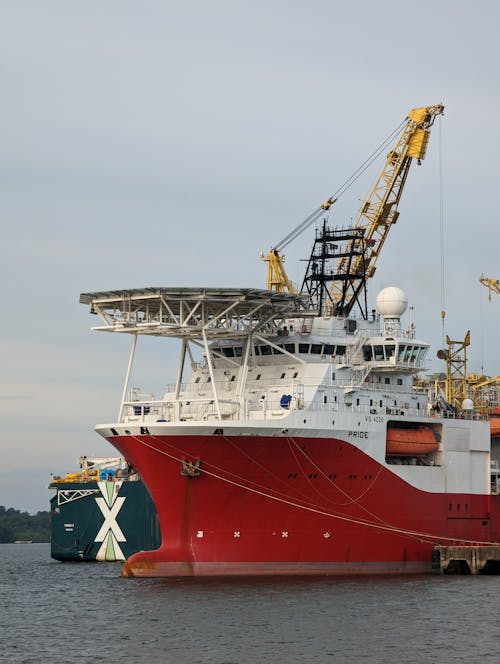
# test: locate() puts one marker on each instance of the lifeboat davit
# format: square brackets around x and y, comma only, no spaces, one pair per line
[411,441]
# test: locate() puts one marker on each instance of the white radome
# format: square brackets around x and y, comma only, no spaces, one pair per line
[391,302]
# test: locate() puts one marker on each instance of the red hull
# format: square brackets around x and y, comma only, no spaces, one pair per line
[276,505]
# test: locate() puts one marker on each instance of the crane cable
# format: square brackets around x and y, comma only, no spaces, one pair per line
[441,232]
[341,190]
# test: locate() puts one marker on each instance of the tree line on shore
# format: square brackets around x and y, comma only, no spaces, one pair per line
[20,526]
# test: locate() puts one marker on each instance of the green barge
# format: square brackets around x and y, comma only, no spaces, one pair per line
[104,512]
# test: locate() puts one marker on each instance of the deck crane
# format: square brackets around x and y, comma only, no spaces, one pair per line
[493,285]
[356,252]
[277,278]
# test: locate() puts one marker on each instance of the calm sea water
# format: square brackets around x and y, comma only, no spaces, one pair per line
[66,613]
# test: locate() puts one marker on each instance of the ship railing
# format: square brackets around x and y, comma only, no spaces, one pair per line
[460,415]
[266,400]
[401,409]
[271,404]
[391,363]
[374,332]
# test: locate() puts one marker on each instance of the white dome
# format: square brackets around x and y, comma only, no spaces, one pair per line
[392,302]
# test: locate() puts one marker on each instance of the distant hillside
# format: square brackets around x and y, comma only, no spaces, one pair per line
[16,525]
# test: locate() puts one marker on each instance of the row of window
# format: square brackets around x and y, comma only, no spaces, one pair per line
[379,352]
[257,377]
[314,349]
[406,353]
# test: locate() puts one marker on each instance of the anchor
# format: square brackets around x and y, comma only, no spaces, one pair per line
[191,468]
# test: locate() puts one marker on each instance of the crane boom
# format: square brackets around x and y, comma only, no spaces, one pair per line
[361,247]
[493,285]
[380,210]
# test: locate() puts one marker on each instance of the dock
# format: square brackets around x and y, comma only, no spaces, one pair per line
[466,559]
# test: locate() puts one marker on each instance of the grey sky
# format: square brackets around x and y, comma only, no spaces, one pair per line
[161,143]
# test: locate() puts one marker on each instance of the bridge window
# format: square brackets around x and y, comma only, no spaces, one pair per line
[378,352]
[316,349]
[304,348]
[340,350]
[328,349]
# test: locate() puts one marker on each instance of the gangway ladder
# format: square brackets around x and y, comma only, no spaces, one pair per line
[353,351]
[354,359]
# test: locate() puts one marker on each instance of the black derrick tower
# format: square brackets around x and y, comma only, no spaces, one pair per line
[336,277]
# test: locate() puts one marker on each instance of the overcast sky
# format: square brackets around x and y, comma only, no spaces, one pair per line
[161,143]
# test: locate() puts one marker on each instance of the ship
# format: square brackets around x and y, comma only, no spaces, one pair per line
[297,438]
[103,512]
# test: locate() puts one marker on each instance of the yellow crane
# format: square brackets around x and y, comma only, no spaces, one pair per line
[484,399]
[380,210]
[377,214]
[493,285]
[277,278]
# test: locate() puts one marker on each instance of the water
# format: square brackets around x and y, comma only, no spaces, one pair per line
[66,613]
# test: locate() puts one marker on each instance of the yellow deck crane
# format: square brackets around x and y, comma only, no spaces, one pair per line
[380,210]
[484,391]
[277,278]
[493,285]
[356,258]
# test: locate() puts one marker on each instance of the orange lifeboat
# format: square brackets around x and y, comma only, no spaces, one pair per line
[494,426]
[411,441]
